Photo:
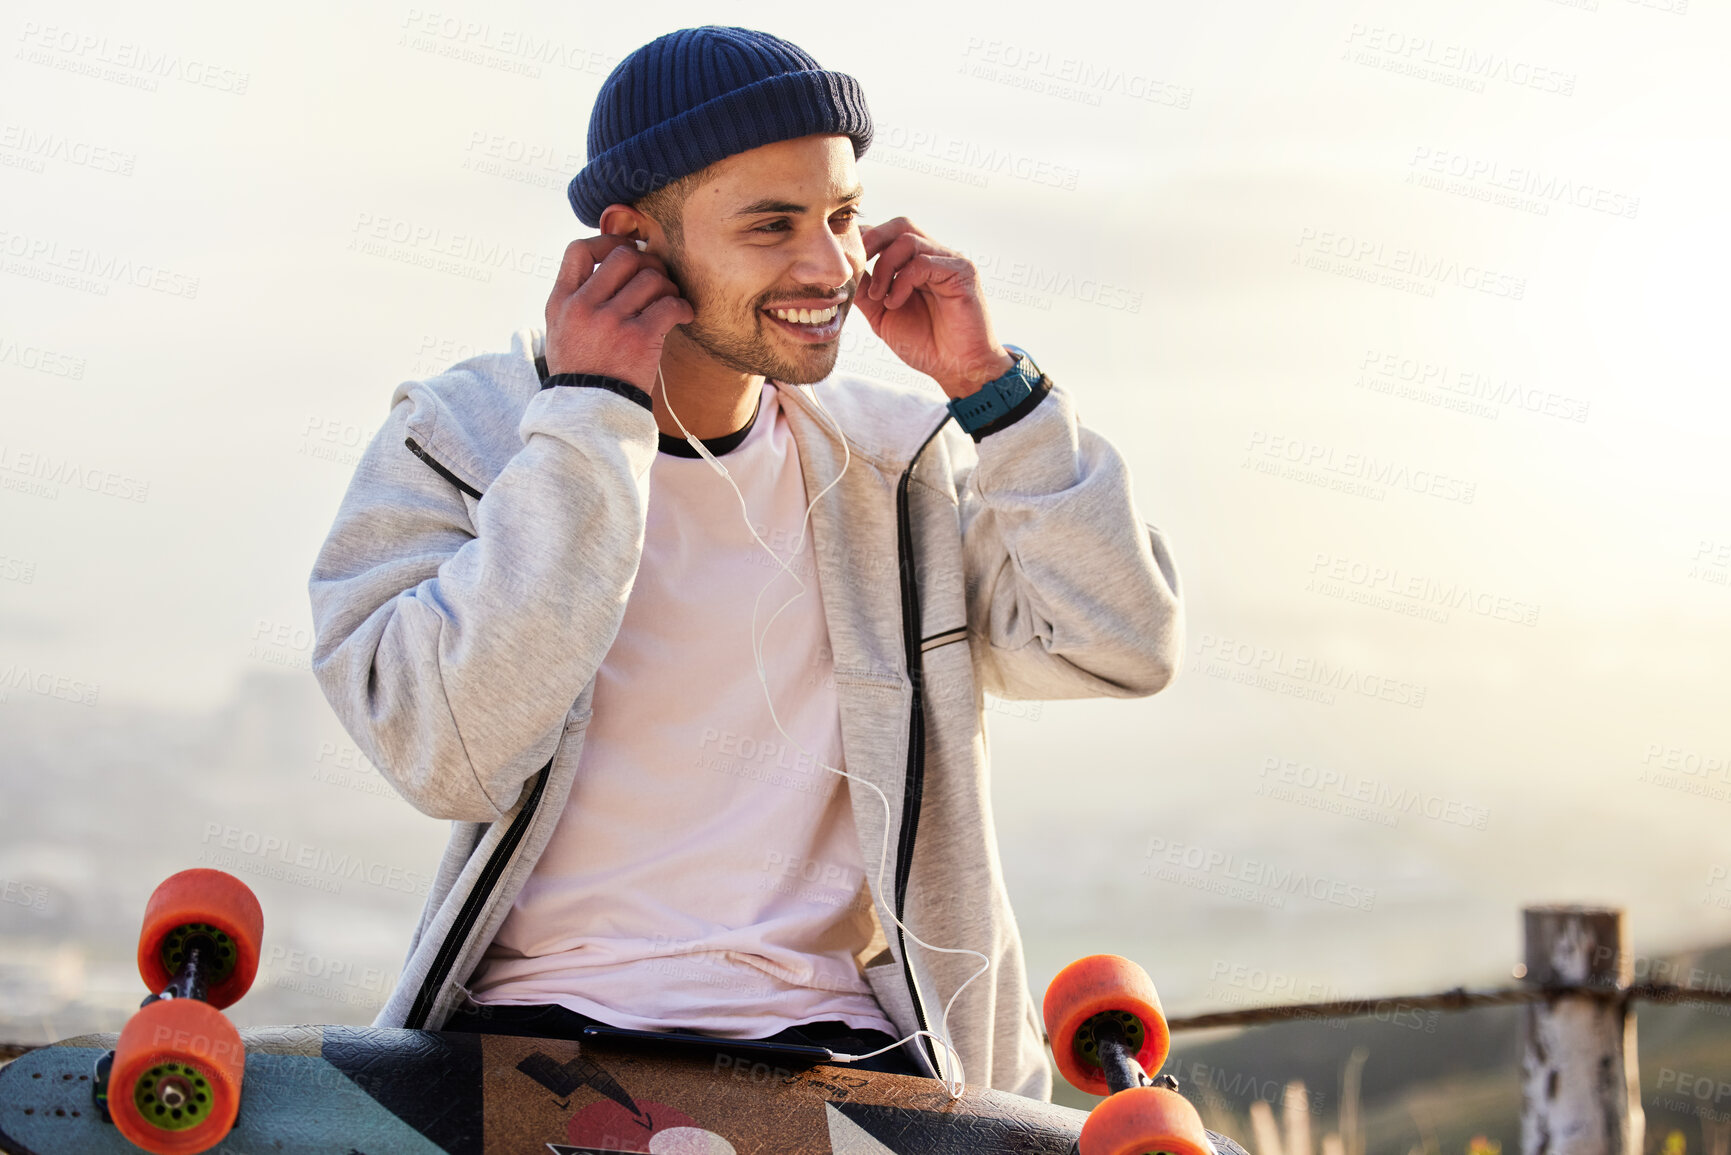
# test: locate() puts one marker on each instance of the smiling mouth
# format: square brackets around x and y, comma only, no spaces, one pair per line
[809,324]
[805,316]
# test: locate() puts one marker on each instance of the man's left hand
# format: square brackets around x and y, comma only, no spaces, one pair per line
[924,302]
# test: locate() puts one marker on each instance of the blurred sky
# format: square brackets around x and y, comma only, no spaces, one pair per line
[1388,305]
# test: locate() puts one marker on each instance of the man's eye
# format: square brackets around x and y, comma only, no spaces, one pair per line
[846,217]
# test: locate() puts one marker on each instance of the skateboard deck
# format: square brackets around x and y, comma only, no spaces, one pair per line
[328,1090]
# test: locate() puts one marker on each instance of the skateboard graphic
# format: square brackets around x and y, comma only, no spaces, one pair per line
[180,1078]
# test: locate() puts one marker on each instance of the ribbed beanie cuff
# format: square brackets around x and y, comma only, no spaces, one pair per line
[690,98]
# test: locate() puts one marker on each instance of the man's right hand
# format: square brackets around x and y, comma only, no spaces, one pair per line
[610,310]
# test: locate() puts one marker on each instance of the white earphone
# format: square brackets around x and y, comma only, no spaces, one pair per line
[942,1037]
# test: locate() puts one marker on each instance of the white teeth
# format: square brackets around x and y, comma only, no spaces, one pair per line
[806,316]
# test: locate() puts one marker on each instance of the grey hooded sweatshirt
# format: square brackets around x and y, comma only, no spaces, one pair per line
[478,572]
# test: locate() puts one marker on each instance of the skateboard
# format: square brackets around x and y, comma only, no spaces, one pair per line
[172,1080]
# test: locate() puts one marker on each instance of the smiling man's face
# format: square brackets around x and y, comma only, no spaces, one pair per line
[770,230]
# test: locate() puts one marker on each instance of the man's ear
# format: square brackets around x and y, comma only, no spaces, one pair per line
[621,220]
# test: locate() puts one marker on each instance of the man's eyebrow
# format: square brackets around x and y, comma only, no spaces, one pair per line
[771,205]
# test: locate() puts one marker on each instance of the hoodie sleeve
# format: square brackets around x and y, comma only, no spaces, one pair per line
[452,647]
[1070,593]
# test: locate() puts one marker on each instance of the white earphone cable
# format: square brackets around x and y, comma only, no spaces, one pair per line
[757,641]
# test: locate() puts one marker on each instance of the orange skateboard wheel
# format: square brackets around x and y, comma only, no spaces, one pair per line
[1102,984]
[1145,1121]
[209,901]
[174,1088]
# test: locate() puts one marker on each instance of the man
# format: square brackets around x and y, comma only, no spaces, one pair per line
[677,803]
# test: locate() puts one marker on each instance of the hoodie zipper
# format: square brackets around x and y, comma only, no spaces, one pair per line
[462,486]
[464,926]
[483,890]
[914,787]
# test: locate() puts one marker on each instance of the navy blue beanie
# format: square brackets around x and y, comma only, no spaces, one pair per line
[687,99]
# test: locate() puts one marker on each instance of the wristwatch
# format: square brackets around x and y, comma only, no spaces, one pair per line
[999,397]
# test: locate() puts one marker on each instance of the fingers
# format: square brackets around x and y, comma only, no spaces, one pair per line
[666,312]
[616,268]
[583,255]
[878,236]
[580,259]
[644,286]
[896,256]
[610,308]
[944,276]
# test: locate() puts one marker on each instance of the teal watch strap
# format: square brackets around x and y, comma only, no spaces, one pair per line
[997,397]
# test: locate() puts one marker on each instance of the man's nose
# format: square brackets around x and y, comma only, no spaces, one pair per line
[827,259]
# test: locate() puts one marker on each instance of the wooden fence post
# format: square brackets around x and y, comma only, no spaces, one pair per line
[1580,1087]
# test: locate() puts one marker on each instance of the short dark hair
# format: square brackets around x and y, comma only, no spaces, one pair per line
[666,205]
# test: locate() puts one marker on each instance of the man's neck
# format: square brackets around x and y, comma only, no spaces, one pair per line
[712,400]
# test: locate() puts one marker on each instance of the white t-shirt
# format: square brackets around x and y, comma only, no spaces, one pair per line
[706,873]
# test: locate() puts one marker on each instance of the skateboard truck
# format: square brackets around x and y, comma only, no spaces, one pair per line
[1108,1031]
[201,959]
[172,1083]
[1117,1058]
